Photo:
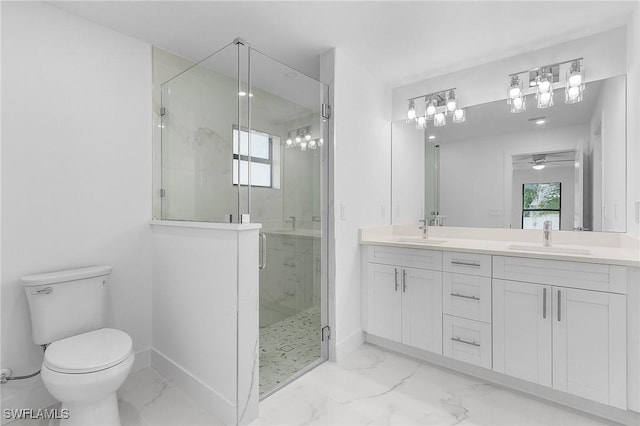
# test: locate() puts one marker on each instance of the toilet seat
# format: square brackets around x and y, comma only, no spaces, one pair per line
[88,352]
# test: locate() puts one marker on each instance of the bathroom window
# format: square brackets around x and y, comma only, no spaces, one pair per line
[540,202]
[261,157]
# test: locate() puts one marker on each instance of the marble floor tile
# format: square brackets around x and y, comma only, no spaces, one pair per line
[373,386]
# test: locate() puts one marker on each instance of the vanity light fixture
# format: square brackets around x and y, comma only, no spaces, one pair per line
[539,165]
[301,138]
[538,161]
[543,81]
[437,106]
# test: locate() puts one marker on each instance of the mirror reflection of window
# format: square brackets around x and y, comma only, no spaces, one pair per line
[261,157]
[541,202]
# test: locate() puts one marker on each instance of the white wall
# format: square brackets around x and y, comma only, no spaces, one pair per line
[361,177]
[633,124]
[76,172]
[476,174]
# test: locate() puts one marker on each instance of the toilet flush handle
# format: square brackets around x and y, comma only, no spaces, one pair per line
[46,290]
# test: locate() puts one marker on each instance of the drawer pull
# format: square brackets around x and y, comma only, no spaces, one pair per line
[395,277]
[544,303]
[469,264]
[464,296]
[404,280]
[459,340]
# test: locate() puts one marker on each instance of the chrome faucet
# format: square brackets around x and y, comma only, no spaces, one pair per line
[423,227]
[292,221]
[546,233]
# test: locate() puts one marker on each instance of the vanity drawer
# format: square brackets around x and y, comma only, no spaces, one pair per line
[467,263]
[586,276]
[413,258]
[466,296]
[466,340]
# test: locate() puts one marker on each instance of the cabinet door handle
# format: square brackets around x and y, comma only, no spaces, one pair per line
[461,263]
[404,280]
[544,303]
[559,300]
[465,296]
[395,277]
[466,342]
[262,264]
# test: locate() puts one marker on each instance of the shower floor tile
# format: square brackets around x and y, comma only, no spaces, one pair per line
[287,346]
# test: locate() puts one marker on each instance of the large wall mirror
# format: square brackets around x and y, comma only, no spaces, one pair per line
[566,163]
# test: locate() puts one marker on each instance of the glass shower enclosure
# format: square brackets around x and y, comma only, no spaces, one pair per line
[243,139]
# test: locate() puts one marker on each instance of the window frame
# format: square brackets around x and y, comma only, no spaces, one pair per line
[559,209]
[240,157]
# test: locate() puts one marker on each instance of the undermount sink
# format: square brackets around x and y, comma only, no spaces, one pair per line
[550,249]
[419,240]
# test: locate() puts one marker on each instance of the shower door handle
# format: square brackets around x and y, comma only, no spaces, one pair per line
[262,264]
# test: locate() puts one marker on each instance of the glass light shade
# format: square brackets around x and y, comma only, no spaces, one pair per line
[411,112]
[431,108]
[545,99]
[539,166]
[320,142]
[439,119]
[514,92]
[289,143]
[307,137]
[451,101]
[459,116]
[575,83]
[303,146]
[519,104]
[421,122]
[313,144]
[298,139]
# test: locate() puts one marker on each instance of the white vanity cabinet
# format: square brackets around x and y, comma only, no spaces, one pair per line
[562,325]
[404,296]
[466,302]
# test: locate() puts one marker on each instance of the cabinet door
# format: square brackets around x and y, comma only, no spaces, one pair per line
[522,318]
[589,345]
[385,301]
[422,309]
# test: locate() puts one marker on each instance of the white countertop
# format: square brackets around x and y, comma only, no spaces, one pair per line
[613,249]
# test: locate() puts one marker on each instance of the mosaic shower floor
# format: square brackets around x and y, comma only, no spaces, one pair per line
[287,346]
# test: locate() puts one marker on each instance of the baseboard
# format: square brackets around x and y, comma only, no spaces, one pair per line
[531,389]
[201,393]
[348,345]
[143,360]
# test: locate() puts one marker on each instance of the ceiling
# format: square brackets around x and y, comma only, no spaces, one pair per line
[399,42]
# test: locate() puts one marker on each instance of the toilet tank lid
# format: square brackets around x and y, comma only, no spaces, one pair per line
[64,276]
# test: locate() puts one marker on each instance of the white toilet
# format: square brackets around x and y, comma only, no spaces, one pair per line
[84,363]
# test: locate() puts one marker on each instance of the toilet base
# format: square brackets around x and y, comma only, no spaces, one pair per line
[96,413]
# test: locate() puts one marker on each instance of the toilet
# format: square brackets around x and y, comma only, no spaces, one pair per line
[84,362]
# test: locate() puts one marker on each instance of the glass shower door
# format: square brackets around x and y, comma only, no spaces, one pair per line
[288,196]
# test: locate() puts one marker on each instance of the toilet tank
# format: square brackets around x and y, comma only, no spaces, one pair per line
[66,303]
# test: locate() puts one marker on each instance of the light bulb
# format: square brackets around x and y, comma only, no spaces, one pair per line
[313,144]
[575,80]
[544,97]
[459,116]
[242,93]
[539,166]
[422,122]
[514,93]
[451,105]
[289,142]
[298,139]
[431,108]
[320,142]
[517,102]
[307,137]
[411,114]
[432,137]
[574,92]
[438,119]
[303,146]
[544,85]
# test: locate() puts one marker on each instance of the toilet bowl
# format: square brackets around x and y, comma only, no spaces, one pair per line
[84,362]
[84,372]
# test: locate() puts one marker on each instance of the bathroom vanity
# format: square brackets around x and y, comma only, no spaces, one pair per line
[560,322]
